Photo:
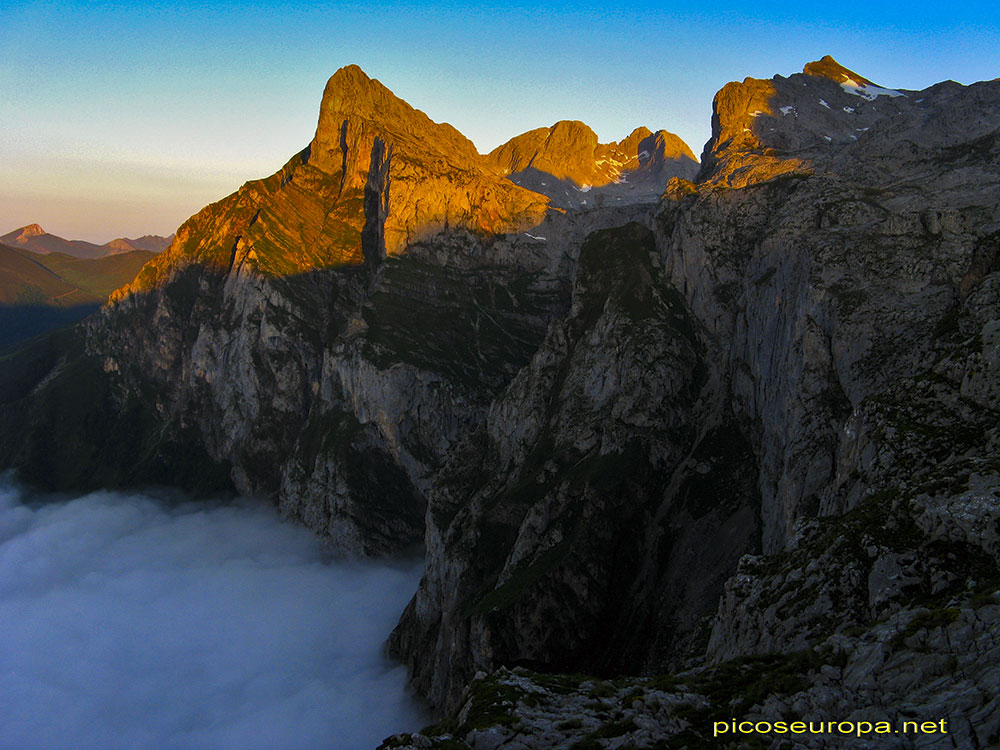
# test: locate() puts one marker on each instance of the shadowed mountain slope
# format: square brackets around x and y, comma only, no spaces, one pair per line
[24,279]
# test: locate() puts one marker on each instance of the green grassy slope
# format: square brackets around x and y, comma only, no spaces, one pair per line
[98,276]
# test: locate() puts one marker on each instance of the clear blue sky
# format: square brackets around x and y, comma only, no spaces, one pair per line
[120,119]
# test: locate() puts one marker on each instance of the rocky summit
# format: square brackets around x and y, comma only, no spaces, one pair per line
[567,164]
[682,442]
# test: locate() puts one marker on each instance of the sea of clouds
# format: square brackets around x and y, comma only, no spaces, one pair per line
[128,621]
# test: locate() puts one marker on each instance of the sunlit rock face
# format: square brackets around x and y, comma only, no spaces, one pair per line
[309,215]
[566,163]
[440,180]
[831,120]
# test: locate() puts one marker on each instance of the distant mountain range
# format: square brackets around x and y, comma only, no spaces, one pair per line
[32,237]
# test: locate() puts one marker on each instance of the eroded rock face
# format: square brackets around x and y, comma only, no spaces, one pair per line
[310,214]
[827,290]
[285,345]
[377,192]
[830,120]
[440,181]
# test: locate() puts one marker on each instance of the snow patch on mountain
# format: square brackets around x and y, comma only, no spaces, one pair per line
[868,91]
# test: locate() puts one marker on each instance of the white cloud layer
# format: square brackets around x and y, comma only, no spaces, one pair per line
[127,622]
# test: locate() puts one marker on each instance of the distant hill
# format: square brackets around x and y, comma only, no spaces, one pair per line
[32,237]
[36,239]
[98,277]
[25,280]
[152,243]
[40,292]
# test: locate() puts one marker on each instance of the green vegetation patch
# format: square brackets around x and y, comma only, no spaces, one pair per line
[736,686]
[98,277]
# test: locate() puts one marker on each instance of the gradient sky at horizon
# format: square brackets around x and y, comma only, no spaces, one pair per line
[121,119]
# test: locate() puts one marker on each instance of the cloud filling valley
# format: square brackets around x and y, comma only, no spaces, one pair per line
[130,622]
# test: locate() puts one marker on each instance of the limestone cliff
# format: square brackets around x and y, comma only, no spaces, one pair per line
[831,120]
[309,215]
[440,180]
[558,532]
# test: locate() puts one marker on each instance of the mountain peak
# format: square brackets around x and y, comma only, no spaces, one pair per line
[827,67]
[565,150]
[351,90]
[32,237]
[640,133]
[120,245]
[356,106]
[572,129]
[352,72]
[27,232]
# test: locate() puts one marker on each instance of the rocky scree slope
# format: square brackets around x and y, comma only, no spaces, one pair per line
[836,269]
[322,336]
